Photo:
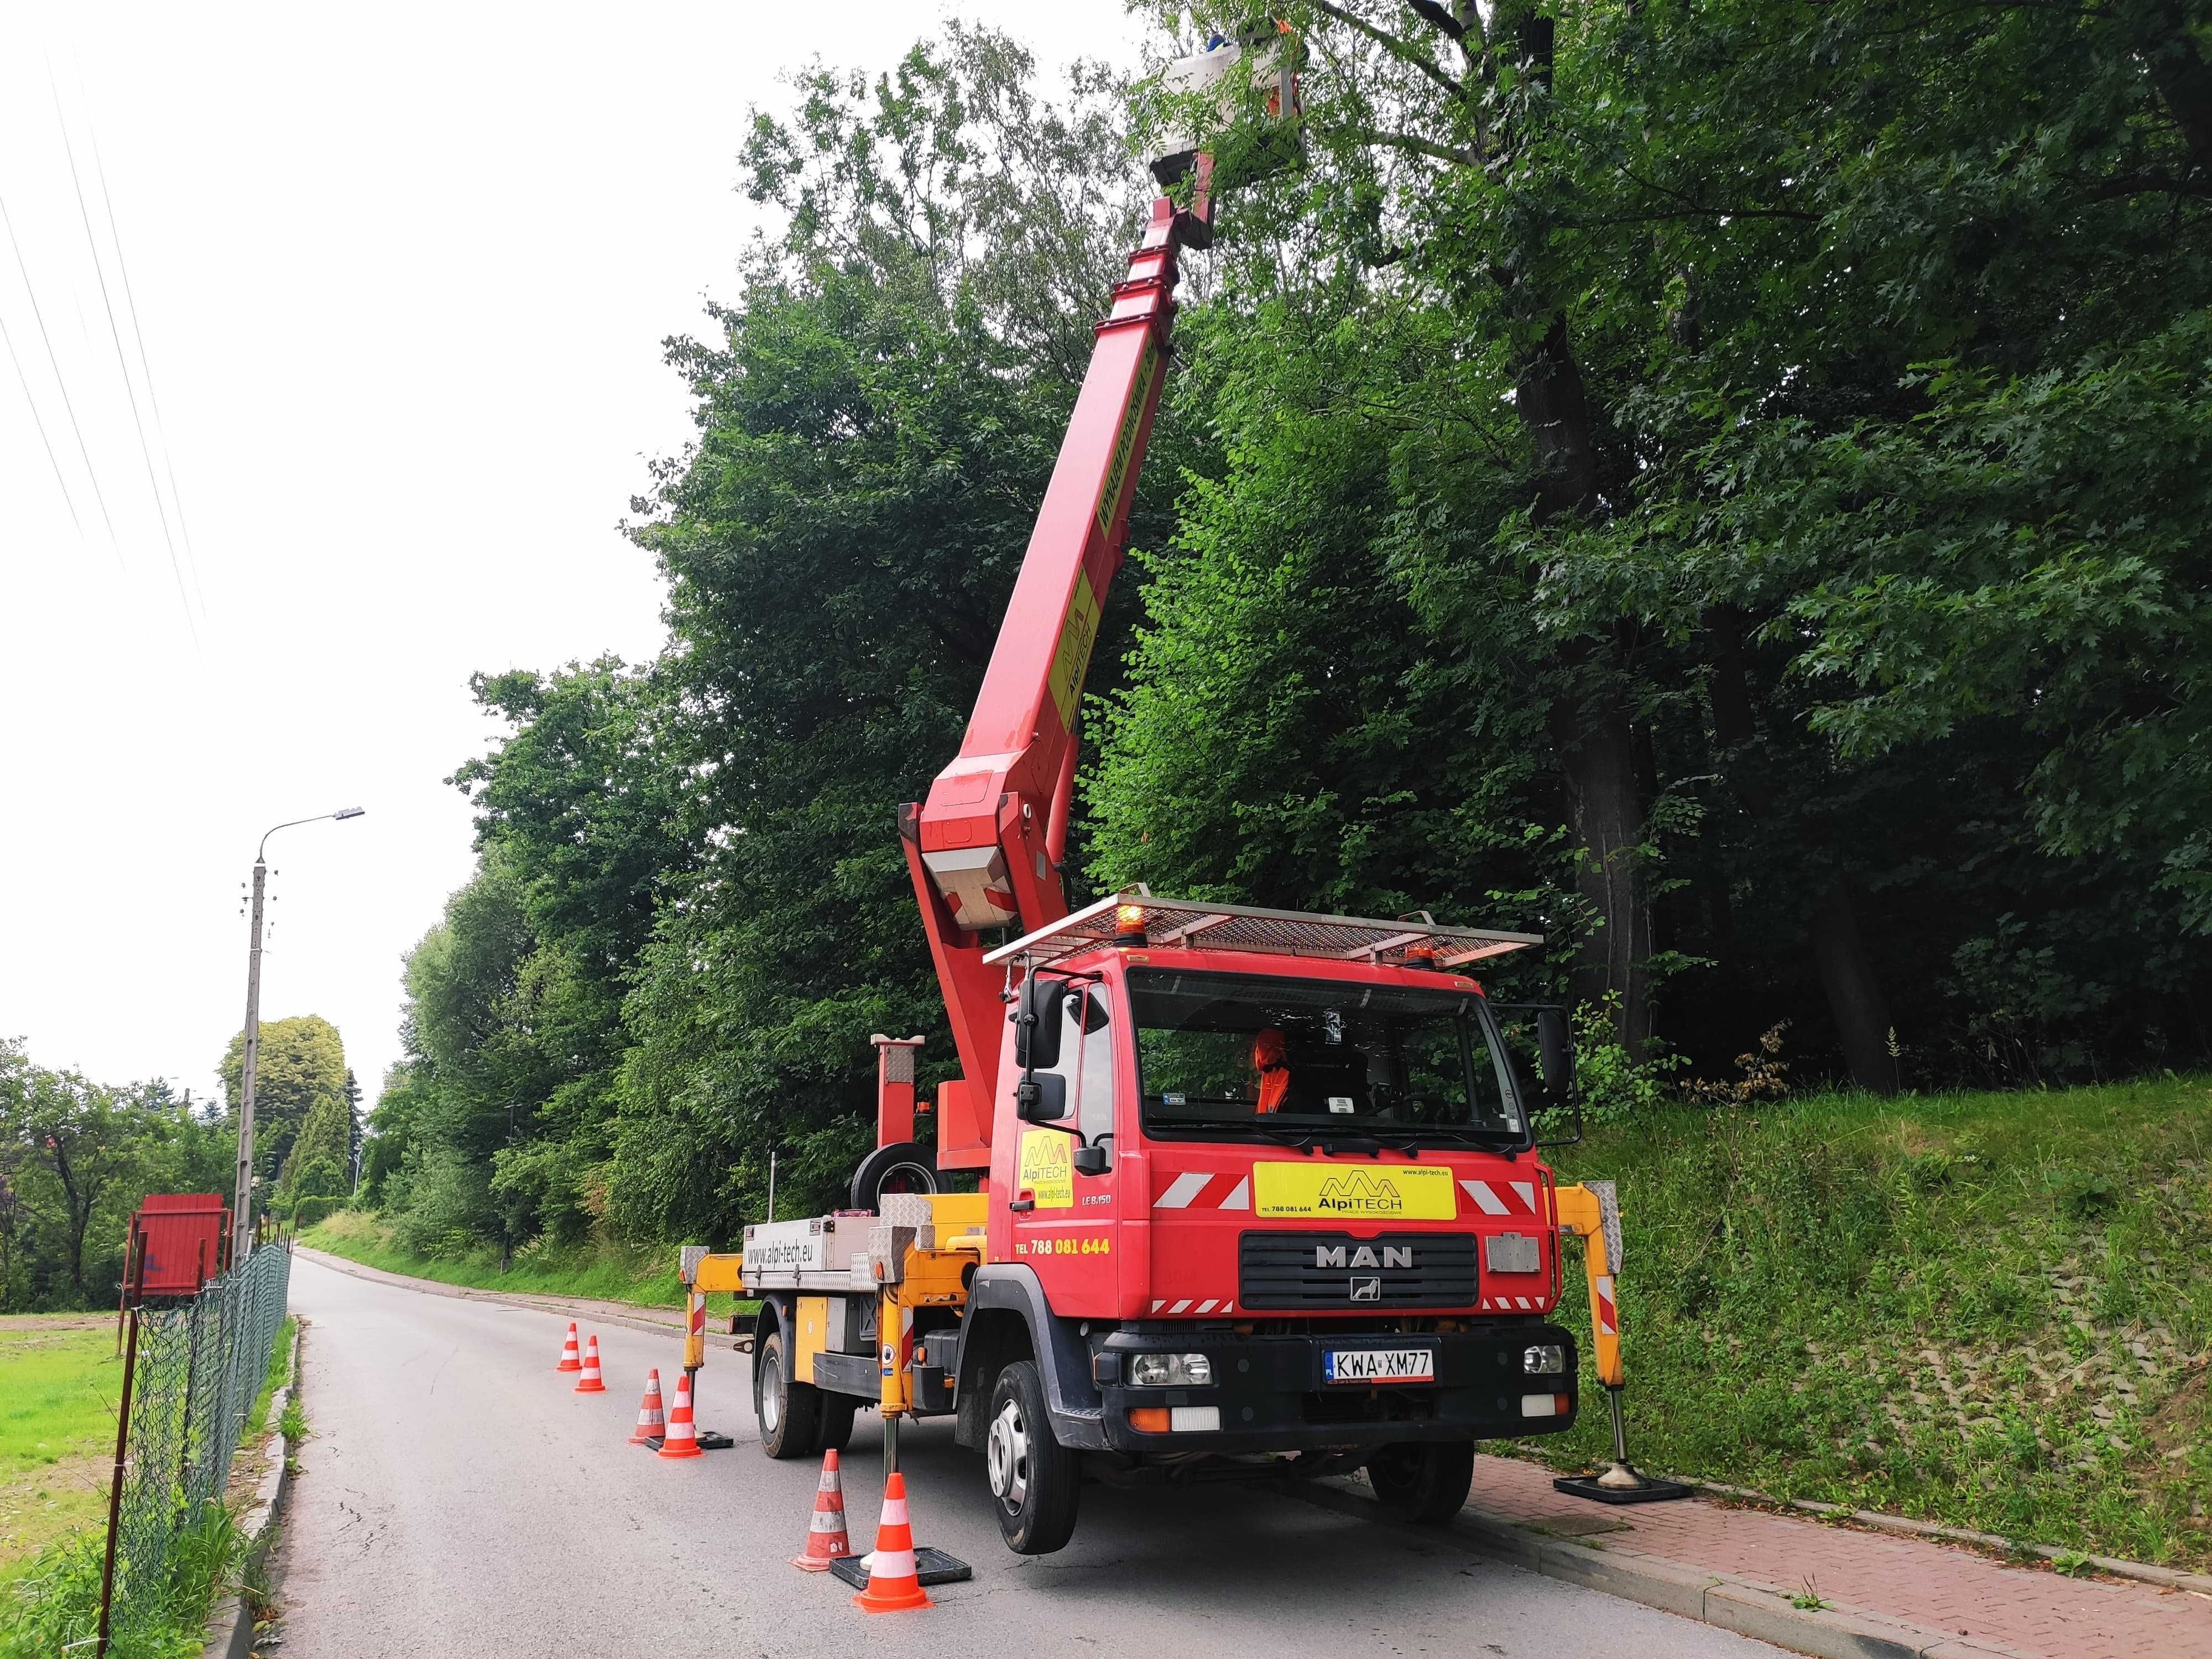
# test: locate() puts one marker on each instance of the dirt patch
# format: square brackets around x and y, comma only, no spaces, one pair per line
[12,1325]
[42,1504]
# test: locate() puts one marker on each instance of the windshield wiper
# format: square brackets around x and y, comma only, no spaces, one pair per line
[1287,1134]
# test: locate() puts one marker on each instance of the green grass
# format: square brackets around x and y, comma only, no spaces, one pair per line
[53,1607]
[59,1379]
[643,1275]
[280,1373]
[1991,1310]
[59,1382]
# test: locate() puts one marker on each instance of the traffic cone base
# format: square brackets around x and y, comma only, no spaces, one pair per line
[826,1537]
[893,1586]
[682,1435]
[591,1382]
[652,1421]
[569,1362]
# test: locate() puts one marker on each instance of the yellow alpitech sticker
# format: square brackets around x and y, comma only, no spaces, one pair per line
[1049,1168]
[1374,1192]
[1125,441]
[1071,657]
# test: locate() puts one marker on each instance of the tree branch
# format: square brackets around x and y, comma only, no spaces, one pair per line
[1465,158]
[1437,14]
[1391,44]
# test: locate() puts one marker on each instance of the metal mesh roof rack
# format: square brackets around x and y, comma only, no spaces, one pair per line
[1182,924]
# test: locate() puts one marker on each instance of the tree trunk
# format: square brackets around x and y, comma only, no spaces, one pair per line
[1854,991]
[2161,35]
[1847,972]
[1597,757]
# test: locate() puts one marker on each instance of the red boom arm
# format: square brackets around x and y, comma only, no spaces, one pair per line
[985,849]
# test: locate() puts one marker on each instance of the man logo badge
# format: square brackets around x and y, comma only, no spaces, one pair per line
[1367,1289]
[1332,1255]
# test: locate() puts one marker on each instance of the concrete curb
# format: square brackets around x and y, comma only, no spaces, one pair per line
[577,1307]
[1710,1598]
[230,1625]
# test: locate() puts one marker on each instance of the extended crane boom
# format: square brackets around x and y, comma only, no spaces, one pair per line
[985,849]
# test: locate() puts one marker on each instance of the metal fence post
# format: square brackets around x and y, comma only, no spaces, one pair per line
[115,1488]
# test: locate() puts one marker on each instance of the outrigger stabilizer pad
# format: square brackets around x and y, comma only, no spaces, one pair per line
[1620,1481]
[931,1566]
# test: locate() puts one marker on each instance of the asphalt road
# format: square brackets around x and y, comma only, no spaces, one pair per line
[456,1498]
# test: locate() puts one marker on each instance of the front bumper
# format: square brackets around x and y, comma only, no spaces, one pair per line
[1271,1396]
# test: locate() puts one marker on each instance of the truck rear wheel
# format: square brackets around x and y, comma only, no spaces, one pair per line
[1033,1477]
[790,1413]
[1423,1481]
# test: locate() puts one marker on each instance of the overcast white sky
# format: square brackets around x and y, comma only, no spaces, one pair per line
[402,274]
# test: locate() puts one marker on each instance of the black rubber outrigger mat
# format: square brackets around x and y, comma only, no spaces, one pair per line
[1651,1492]
[931,1566]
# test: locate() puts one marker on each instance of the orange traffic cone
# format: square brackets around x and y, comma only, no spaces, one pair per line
[682,1439]
[652,1423]
[590,1382]
[568,1360]
[892,1584]
[826,1538]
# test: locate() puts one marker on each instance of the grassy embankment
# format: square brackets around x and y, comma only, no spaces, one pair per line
[644,1275]
[1992,1310]
[61,1380]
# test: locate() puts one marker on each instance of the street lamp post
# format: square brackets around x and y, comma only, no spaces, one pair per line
[241,1236]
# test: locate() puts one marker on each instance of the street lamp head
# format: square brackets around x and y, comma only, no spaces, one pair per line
[349,812]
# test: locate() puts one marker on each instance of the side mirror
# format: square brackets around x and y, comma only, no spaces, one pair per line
[1042,1098]
[1037,1022]
[1555,1051]
[1092,1160]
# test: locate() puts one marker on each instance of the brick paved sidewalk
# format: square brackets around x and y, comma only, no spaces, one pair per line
[1941,1587]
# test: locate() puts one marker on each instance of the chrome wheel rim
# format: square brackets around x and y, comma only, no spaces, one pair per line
[1007,1453]
[771,1393]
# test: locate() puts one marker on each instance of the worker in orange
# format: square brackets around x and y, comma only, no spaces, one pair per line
[1271,1058]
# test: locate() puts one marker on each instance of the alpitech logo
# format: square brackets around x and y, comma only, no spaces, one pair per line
[1359,1194]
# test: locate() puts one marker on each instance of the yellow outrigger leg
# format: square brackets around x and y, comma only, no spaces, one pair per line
[1591,1212]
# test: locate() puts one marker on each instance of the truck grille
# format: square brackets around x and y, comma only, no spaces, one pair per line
[1335,1270]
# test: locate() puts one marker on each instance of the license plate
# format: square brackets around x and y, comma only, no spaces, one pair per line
[1379,1366]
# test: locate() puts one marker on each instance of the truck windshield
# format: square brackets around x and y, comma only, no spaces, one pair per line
[1252,1054]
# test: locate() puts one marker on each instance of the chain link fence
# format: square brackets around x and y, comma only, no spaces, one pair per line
[200,1366]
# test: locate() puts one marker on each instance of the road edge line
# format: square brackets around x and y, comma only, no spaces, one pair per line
[1675,1587]
[230,1623]
[523,1301]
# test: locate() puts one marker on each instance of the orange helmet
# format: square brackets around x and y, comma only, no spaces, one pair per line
[1269,1049]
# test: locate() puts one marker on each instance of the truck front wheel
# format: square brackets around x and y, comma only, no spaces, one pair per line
[790,1413]
[1033,1476]
[1423,1481]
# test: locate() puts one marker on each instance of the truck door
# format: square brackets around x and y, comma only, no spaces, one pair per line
[1068,1233]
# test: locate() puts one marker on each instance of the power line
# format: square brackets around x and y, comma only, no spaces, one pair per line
[145,364]
[98,493]
[40,421]
[115,334]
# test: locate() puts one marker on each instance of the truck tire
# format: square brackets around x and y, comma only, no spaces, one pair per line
[1423,1481]
[1033,1477]
[790,1413]
[901,1167]
[836,1427]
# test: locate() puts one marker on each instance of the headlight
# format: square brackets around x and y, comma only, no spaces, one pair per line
[1171,1370]
[1543,1360]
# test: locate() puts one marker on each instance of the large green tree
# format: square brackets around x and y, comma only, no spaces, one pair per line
[1693,254]
[878,419]
[302,1062]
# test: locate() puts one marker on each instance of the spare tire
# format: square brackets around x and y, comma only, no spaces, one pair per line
[902,1167]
